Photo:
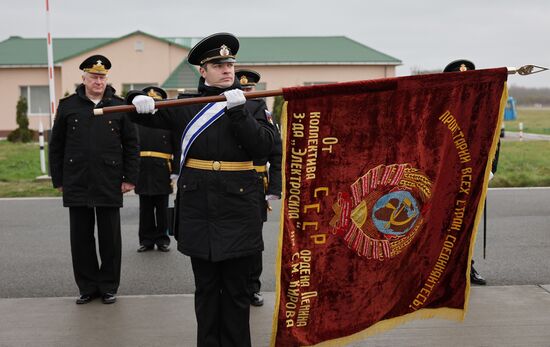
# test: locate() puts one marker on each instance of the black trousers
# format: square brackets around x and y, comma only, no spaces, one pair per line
[153,216]
[255,273]
[91,277]
[222,302]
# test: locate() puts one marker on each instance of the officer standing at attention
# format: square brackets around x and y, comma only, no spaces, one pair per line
[154,183]
[271,180]
[465,65]
[218,215]
[93,161]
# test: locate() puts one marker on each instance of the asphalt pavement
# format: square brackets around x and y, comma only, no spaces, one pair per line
[155,306]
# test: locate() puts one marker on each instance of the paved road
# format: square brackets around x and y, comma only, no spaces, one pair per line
[35,255]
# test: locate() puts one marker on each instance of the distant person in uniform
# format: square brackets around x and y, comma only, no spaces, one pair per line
[219,224]
[465,65]
[269,174]
[157,148]
[93,161]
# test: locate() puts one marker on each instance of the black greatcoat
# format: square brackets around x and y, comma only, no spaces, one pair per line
[272,180]
[154,173]
[90,156]
[218,213]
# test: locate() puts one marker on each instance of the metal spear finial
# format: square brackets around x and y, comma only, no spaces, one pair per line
[526,70]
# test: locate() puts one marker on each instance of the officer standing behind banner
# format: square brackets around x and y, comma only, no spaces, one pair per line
[271,180]
[154,183]
[218,215]
[465,65]
[93,161]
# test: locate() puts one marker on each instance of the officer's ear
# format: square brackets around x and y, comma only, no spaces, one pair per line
[202,70]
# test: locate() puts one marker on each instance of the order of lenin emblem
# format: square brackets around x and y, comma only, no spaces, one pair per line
[383,212]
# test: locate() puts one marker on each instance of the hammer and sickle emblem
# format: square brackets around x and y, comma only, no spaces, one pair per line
[396,212]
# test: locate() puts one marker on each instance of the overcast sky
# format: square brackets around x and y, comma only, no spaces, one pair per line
[422,34]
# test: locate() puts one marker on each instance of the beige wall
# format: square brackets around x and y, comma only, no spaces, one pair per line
[12,79]
[280,76]
[154,65]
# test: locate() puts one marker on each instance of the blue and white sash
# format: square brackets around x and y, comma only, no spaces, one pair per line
[202,120]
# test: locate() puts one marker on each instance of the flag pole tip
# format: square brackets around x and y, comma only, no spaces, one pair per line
[526,69]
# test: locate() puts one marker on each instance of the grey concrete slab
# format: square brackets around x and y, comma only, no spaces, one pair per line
[498,316]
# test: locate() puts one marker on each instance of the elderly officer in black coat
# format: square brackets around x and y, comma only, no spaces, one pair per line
[156,167]
[93,161]
[270,174]
[219,220]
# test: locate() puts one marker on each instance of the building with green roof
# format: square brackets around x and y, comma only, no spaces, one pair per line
[140,59]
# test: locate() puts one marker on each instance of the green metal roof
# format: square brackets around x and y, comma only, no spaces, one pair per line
[22,51]
[254,50]
[32,51]
[302,50]
[184,76]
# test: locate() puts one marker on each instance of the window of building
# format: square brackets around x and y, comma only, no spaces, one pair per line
[126,87]
[261,86]
[134,86]
[38,99]
[139,46]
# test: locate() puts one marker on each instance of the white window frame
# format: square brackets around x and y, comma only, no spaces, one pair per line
[46,111]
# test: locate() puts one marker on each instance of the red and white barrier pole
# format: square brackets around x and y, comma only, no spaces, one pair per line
[50,67]
[521,131]
[41,142]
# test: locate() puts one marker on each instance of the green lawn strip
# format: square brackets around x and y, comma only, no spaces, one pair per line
[535,120]
[521,164]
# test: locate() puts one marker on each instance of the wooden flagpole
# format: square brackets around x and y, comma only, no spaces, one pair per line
[524,70]
[188,101]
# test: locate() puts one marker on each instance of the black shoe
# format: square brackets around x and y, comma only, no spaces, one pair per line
[476,278]
[84,299]
[163,248]
[143,248]
[257,299]
[108,298]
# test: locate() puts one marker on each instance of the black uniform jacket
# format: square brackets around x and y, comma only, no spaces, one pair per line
[272,180]
[90,156]
[154,172]
[218,215]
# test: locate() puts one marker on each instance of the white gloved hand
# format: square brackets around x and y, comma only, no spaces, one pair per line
[491,175]
[272,197]
[144,104]
[234,97]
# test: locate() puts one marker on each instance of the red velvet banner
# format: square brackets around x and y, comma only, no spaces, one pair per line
[383,183]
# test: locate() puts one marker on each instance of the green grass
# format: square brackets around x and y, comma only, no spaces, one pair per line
[535,120]
[523,164]
[19,167]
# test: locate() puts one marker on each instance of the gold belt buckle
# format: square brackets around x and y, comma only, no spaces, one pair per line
[216,165]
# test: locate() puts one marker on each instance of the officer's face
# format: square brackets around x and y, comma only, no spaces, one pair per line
[221,75]
[95,83]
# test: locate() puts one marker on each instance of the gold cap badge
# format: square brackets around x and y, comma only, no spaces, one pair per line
[243,80]
[97,68]
[224,51]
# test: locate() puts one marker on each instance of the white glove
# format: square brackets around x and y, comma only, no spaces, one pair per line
[272,197]
[234,97]
[491,175]
[144,104]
